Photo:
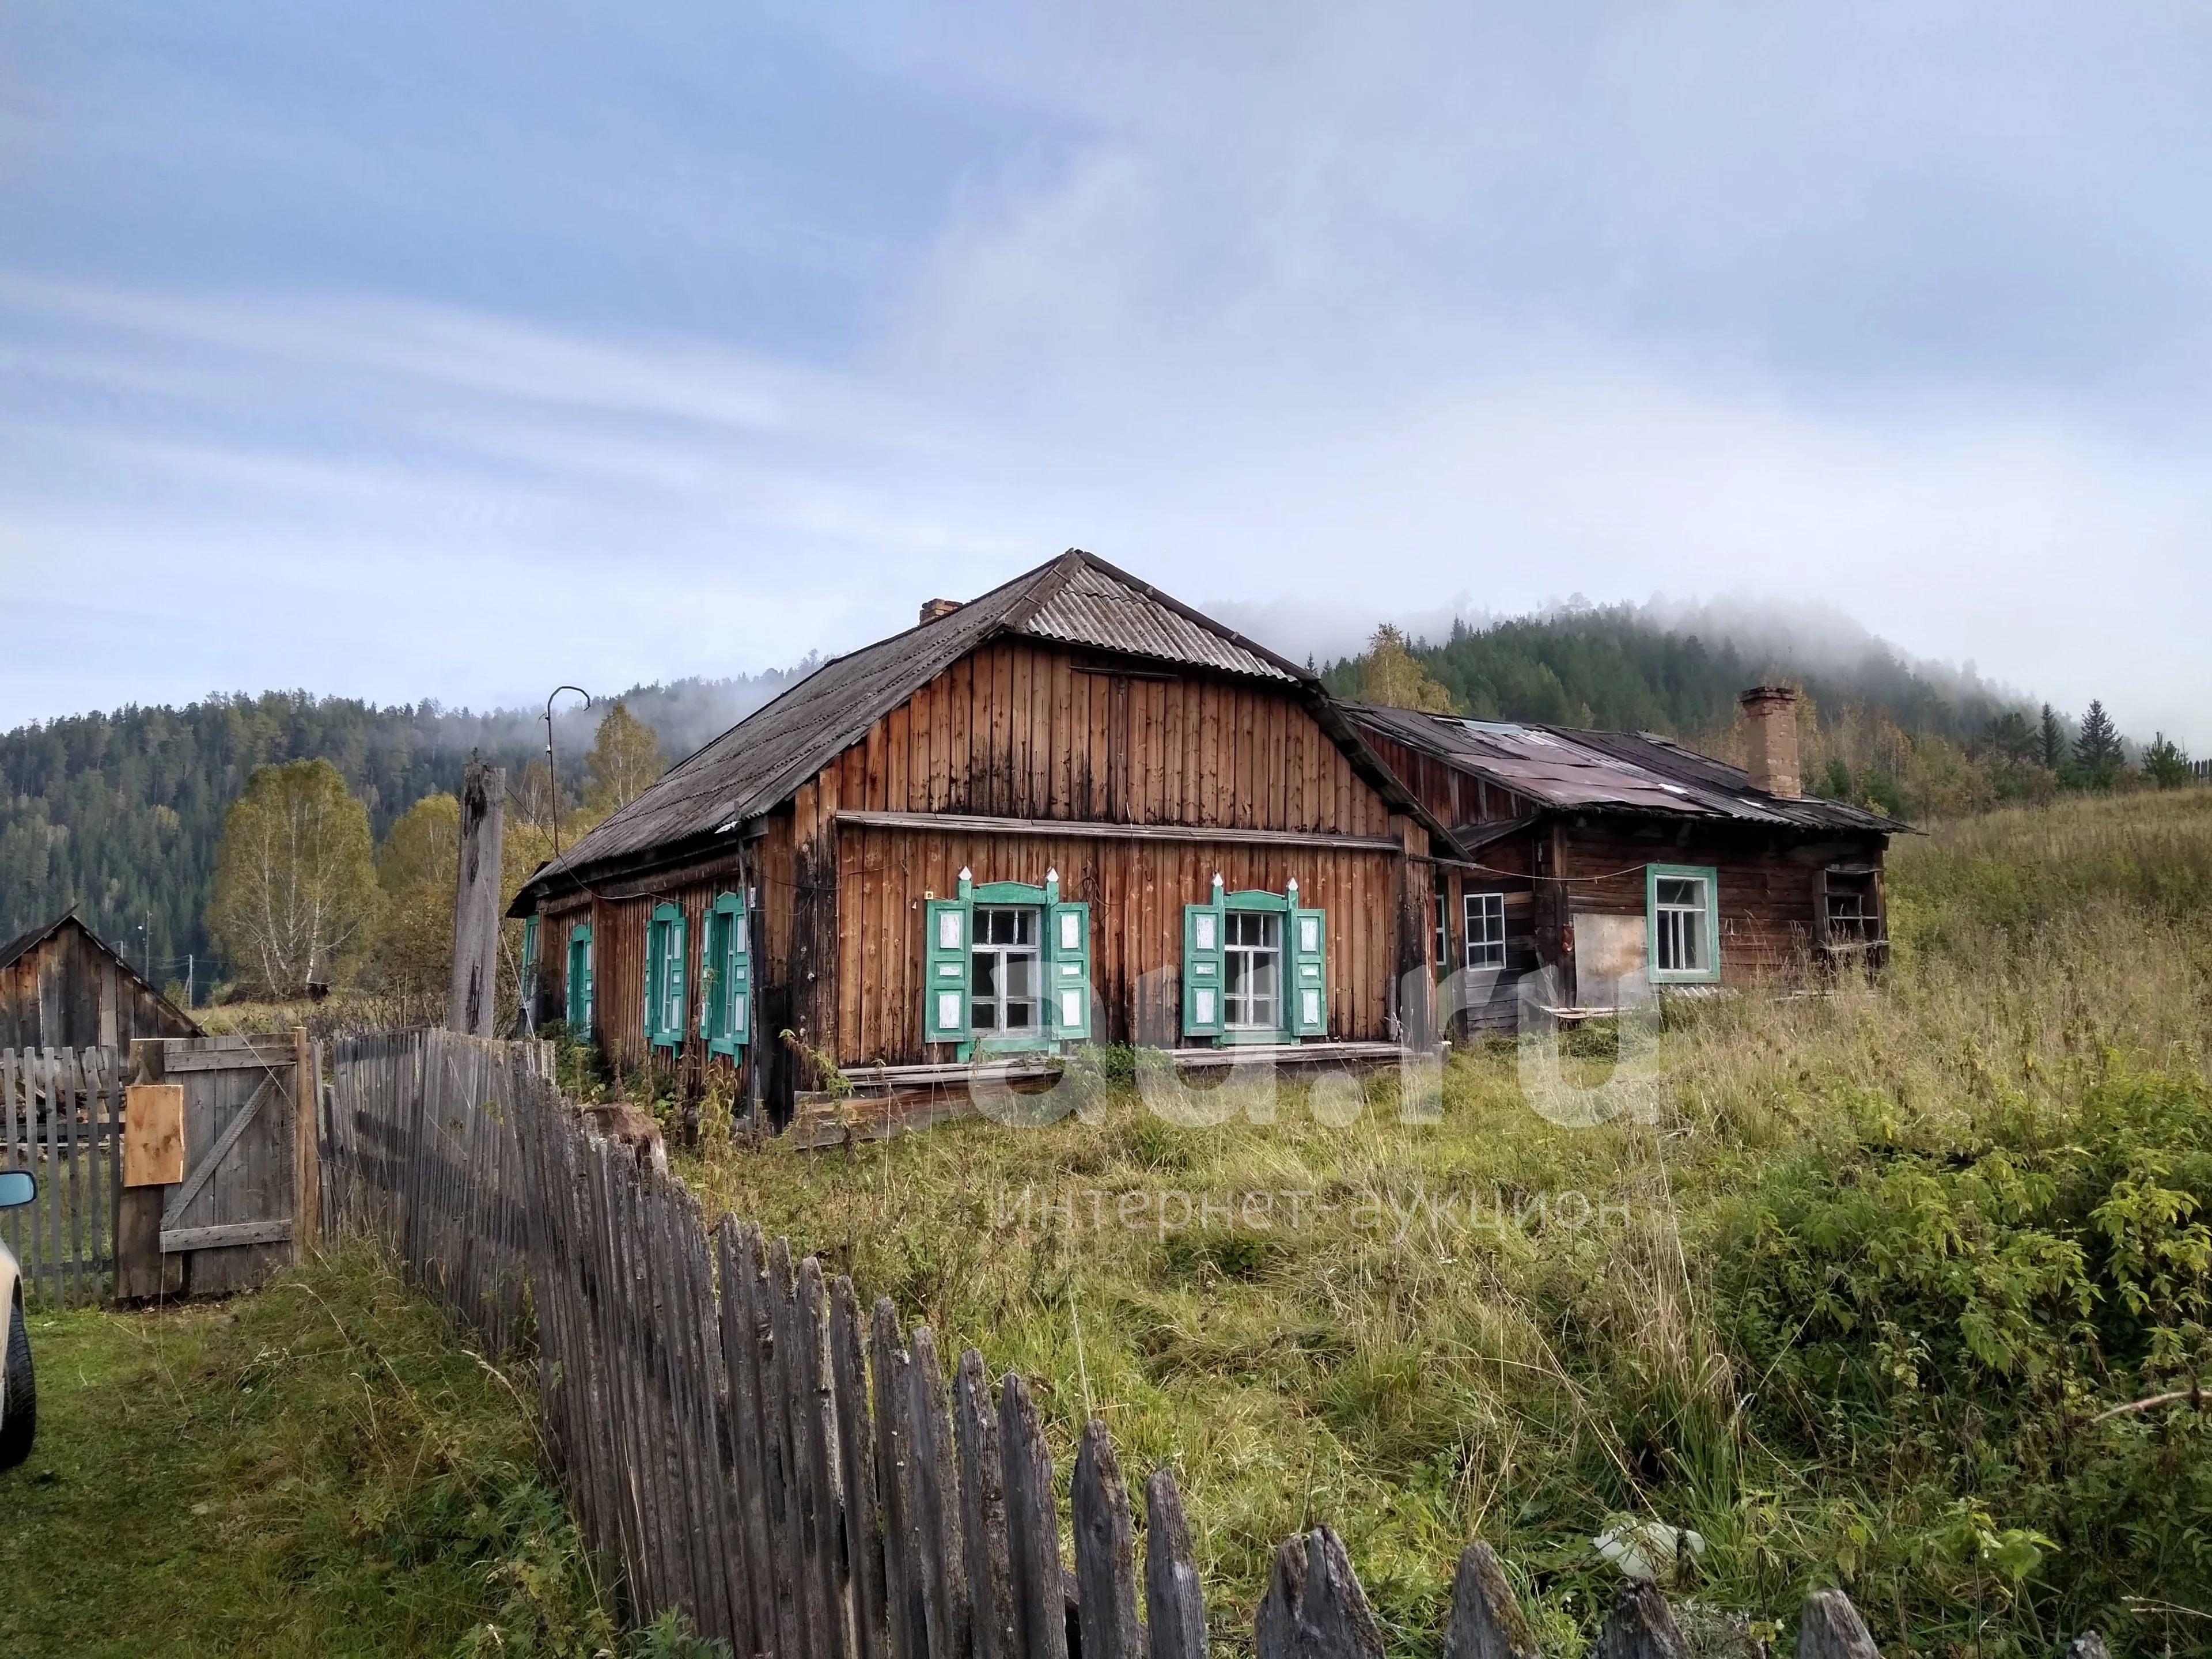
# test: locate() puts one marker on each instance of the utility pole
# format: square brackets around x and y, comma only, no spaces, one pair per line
[188,980]
[473,1008]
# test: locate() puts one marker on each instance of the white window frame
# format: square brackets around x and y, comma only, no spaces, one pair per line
[1034,952]
[1254,955]
[1483,950]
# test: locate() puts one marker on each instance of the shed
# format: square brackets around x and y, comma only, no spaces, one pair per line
[61,986]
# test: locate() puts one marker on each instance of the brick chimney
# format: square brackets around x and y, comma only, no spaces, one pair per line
[1770,717]
[933,609]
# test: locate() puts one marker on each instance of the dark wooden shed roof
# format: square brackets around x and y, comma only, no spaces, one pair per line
[1621,772]
[1075,599]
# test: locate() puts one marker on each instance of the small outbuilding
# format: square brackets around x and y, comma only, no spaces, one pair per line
[61,986]
[1597,858]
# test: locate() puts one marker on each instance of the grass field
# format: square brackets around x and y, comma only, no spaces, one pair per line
[316,1469]
[1849,1307]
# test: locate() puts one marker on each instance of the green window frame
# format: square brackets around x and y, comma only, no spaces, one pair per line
[663,976]
[726,977]
[1062,942]
[1680,925]
[580,981]
[1301,943]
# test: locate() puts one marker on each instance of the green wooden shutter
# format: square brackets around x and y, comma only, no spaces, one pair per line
[945,970]
[579,983]
[1306,950]
[736,995]
[1067,971]
[678,961]
[663,976]
[712,971]
[1201,967]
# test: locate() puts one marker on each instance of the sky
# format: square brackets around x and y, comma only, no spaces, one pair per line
[458,350]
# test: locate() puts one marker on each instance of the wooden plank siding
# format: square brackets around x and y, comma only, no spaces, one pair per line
[1454,796]
[1136,889]
[1024,731]
[1769,885]
[1017,730]
[68,991]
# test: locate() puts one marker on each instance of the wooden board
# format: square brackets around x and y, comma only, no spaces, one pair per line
[154,1135]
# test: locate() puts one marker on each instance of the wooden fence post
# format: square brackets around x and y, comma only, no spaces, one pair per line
[1641,1626]
[1830,1628]
[1032,1526]
[474,1006]
[1314,1608]
[984,1510]
[1175,1610]
[1105,1551]
[1487,1622]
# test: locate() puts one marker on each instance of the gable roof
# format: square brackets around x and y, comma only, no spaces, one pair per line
[1639,772]
[1075,599]
[24,943]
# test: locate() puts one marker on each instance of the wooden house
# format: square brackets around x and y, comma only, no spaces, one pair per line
[61,987]
[1605,856]
[1072,810]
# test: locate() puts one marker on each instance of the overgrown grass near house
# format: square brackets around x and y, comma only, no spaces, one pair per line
[317,1469]
[1857,1305]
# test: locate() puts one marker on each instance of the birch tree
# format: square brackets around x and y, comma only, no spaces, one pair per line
[295,890]
[625,759]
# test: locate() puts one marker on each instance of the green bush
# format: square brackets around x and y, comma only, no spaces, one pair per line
[1949,1316]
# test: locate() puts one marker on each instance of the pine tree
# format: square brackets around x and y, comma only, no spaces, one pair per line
[624,761]
[2166,762]
[2097,748]
[2054,740]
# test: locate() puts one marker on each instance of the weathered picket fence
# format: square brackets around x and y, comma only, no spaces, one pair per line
[795,1475]
[61,1117]
[419,1145]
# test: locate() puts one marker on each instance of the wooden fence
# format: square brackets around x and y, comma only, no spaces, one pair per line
[61,1117]
[750,1446]
[419,1146]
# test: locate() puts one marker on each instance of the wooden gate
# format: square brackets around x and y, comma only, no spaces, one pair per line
[246,1198]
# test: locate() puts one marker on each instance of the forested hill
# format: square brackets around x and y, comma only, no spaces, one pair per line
[1616,668]
[119,814]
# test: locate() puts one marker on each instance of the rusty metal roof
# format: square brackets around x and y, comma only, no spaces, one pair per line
[1077,598]
[1628,772]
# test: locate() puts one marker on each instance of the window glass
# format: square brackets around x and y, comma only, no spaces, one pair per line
[1252,967]
[1486,930]
[1004,969]
[1679,918]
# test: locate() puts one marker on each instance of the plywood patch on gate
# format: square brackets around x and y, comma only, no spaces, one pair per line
[154,1135]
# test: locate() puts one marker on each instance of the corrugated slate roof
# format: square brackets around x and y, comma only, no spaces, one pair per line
[1098,606]
[1609,771]
[1077,598]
